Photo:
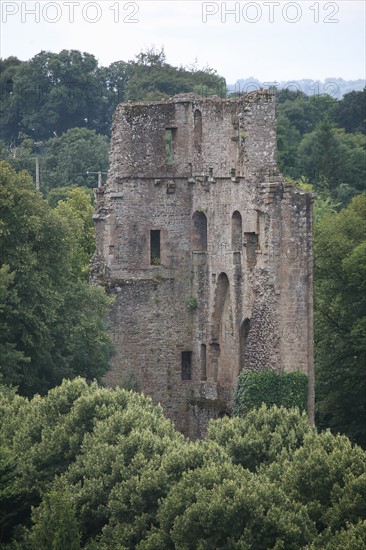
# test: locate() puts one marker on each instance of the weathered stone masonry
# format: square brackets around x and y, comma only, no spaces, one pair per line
[207,250]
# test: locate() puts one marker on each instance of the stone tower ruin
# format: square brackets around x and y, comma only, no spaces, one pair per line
[207,250]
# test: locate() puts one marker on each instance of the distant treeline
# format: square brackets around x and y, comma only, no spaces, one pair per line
[335,87]
[59,107]
[51,93]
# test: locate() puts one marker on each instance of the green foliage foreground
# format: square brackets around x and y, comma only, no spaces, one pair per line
[102,469]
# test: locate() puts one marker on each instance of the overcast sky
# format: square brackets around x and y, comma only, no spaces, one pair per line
[269,40]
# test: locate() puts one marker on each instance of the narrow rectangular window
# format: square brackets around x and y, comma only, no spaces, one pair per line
[155,247]
[203,362]
[186,365]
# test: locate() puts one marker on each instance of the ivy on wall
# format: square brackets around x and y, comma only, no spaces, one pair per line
[272,388]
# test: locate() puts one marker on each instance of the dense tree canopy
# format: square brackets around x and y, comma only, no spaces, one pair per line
[74,158]
[68,159]
[316,141]
[152,78]
[53,322]
[340,252]
[54,92]
[351,113]
[103,469]
[329,157]
[51,93]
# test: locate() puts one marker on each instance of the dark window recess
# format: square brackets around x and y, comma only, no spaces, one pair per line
[155,247]
[170,138]
[186,365]
[199,232]
[236,232]
[251,243]
[203,362]
[244,331]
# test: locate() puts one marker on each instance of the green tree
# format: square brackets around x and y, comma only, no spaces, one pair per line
[21,155]
[331,159]
[68,158]
[340,314]
[225,506]
[11,359]
[320,156]
[55,524]
[311,144]
[351,112]
[115,80]
[77,209]
[327,475]
[62,194]
[353,156]
[54,92]
[11,497]
[353,537]
[304,113]
[288,140]
[10,115]
[286,94]
[260,435]
[107,439]
[151,78]
[50,315]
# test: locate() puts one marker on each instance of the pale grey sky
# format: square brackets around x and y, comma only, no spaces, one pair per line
[271,40]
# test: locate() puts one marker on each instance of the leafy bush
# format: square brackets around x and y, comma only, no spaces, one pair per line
[192,303]
[272,388]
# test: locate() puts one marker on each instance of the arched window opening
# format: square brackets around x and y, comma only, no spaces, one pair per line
[199,232]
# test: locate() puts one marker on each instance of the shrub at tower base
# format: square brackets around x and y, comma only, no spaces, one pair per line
[95,468]
[272,388]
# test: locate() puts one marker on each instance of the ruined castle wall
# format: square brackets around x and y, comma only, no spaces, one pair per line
[150,321]
[295,281]
[209,135]
[232,285]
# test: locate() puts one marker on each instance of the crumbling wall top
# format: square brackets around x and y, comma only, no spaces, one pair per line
[188,135]
[192,97]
